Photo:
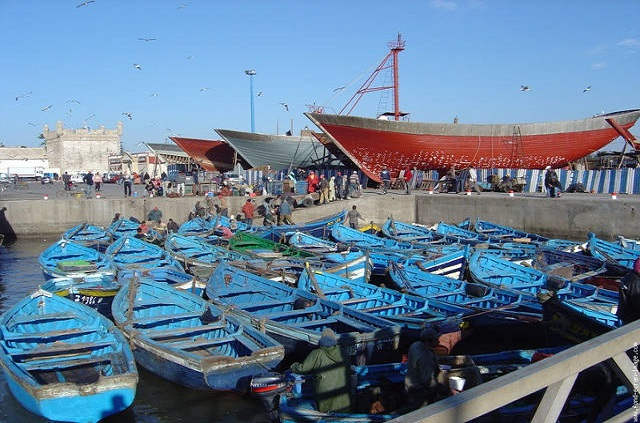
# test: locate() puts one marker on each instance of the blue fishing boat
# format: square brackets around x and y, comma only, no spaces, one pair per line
[93,290]
[310,243]
[353,265]
[565,245]
[133,253]
[579,321]
[64,361]
[89,235]
[611,252]
[423,283]
[405,232]
[71,260]
[409,311]
[494,271]
[351,236]
[514,251]
[628,243]
[563,267]
[168,275]
[505,232]
[197,256]
[452,265]
[197,227]
[296,317]
[182,338]
[320,228]
[463,236]
[125,227]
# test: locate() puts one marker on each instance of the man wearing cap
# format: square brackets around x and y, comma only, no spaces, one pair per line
[421,381]
[629,295]
[330,374]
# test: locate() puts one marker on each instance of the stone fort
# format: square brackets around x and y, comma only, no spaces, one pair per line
[81,150]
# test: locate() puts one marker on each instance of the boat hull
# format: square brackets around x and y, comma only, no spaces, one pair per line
[211,155]
[373,143]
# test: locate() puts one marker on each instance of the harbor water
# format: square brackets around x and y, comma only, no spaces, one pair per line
[157,400]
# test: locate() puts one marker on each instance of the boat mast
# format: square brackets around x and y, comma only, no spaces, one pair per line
[395,47]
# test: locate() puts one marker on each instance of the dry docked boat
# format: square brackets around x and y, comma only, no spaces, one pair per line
[64,361]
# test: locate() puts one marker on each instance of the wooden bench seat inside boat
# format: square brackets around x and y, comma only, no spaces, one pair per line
[165,318]
[167,333]
[22,336]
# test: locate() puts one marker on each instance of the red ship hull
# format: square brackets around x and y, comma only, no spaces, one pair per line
[373,144]
[212,155]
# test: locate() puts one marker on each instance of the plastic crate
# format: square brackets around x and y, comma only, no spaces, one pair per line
[301,187]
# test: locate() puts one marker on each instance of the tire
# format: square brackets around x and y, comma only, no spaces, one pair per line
[307,202]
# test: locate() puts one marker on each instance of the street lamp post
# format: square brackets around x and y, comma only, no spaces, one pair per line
[251,72]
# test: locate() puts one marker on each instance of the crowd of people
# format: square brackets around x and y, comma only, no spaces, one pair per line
[342,186]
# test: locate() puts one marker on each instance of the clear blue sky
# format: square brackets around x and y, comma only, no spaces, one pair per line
[464,58]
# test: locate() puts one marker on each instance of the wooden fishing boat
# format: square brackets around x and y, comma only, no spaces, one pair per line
[353,265]
[563,267]
[89,235]
[409,311]
[405,232]
[310,243]
[350,236]
[505,232]
[491,270]
[196,227]
[320,228]
[94,290]
[71,260]
[64,361]
[197,256]
[611,252]
[168,275]
[514,251]
[128,228]
[133,253]
[182,338]
[576,321]
[296,317]
[565,245]
[463,236]
[452,265]
[248,243]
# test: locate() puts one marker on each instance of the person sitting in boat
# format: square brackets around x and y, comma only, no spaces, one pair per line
[116,217]
[172,226]
[421,381]
[226,232]
[154,215]
[629,295]
[330,374]
[144,227]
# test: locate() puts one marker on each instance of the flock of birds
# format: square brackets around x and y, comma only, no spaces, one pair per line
[138,67]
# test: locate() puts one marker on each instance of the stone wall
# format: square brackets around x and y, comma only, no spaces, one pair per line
[81,150]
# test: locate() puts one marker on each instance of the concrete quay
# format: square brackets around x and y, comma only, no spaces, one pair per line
[572,216]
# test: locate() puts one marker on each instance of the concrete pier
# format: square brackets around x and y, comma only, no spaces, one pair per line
[571,216]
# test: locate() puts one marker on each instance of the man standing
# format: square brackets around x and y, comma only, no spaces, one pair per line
[473,180]
[407,180]
[330,374]
[354,183]
[127,184]
[324,190]
[338,185]
[248,211]
[422,370]
[88,179]
[97,180]
[66,178]
[154,215]
[551,182]
[353,216]
[332,189]
[285,212]
[385,176]
[312,181]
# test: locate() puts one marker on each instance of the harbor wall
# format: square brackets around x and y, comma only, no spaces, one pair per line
[558,218]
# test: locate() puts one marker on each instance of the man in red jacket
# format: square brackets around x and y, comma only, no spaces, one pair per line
[248,211]
[312,181]
[407,180]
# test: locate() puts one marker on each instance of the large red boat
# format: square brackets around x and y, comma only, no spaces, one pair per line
[212,155]
[374,143]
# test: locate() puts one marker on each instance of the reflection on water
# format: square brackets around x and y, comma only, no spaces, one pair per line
[157,401]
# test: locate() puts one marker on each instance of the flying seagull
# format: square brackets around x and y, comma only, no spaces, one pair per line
[587,89]
[285,106]
[182,6]
[204,89]
[85,3]
[31,124]
[72,101]
[524,88]
[146,39]
[25,95]
[91,116]
[339,88]
[259,94]
[189,57]
[127,114]
[137,66]
[153,95]
[44,109]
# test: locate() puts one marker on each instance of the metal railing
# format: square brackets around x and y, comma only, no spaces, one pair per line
[557,374]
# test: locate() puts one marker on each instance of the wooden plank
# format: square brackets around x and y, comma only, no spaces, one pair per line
[199,343]
[60,348]
[62,364]
[157,334]
[165,318]
[553,401]
[12,336]
[42,317]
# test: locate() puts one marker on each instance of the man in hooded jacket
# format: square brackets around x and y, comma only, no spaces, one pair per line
[330,372]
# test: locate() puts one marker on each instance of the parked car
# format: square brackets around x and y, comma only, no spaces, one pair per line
[46,180]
